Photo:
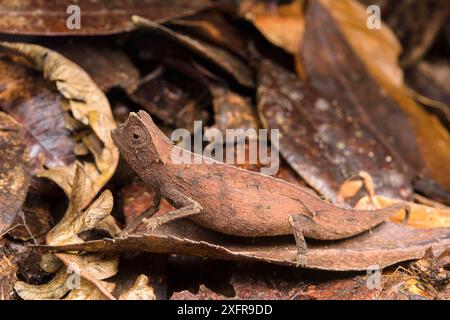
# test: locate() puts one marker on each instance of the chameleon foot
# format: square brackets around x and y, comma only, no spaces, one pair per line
[295,222]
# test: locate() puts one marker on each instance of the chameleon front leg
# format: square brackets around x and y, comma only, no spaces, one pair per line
[186,208]
[296,223]
[186,205]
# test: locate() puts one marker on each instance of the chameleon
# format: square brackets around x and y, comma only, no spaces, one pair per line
[231,200]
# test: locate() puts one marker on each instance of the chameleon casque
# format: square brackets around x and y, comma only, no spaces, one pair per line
[231,200]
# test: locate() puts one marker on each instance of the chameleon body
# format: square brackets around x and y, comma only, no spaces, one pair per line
[235,201]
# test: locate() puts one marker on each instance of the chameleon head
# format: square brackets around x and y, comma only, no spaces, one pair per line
[135,142]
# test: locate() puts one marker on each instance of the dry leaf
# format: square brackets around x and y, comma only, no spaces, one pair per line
[384,246]
[381,60]
[54,289]
[87,104]
[282,25]
[14,170]
[139,291]
[220,57]
[88,291]
[33,17]
[422,216]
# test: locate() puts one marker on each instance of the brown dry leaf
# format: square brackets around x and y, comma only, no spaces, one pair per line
[7,277]
[171,97]
[385,245]
[231,110]
[31,101]
[14,171]
[324,141]
[87,104]
[91,267]
[139,291]
[282,25]
[430,80]
[212,26]
[88,291]
[54,289]
[75,220]
[33,221]
[336,70]
[44,17]
[108,66]
[220,57]
[379,49]
[381,61]
[422,216]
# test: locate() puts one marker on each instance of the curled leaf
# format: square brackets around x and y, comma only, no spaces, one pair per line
[54,289]
[14,170]
[87,104]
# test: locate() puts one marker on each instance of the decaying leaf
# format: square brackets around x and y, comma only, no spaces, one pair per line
[323,141]
[422,216]
[87,104]
[385,245]
[171,97]
[220,57]
[54,289]
[31,101]
[42,17]
[214,27]
[14,170]
[88,291]
[91,267]
[33,221]
[335,69]
[430,81]
[75,220]
[7,277]
[139,291]
[108,66]
[282,25]
[325,50]
[231,110]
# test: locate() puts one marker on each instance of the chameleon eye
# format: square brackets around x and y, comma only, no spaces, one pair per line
[137,136]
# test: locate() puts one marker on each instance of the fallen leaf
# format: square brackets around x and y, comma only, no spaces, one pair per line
[322,140]
[54,289]
[87,104]
[33,221]
[231,110]
[171,97]
[430,80]
[7,277]
[220,57]
[385,245]
[214,27]
[335,68]
[431,137]
[38,17]
[282,25]
[421,216]
[139,291]
[30,100]
[108,66]
[91,267]
[14,171]
[88,291]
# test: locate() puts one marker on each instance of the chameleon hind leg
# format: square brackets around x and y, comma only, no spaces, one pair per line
[296,223]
